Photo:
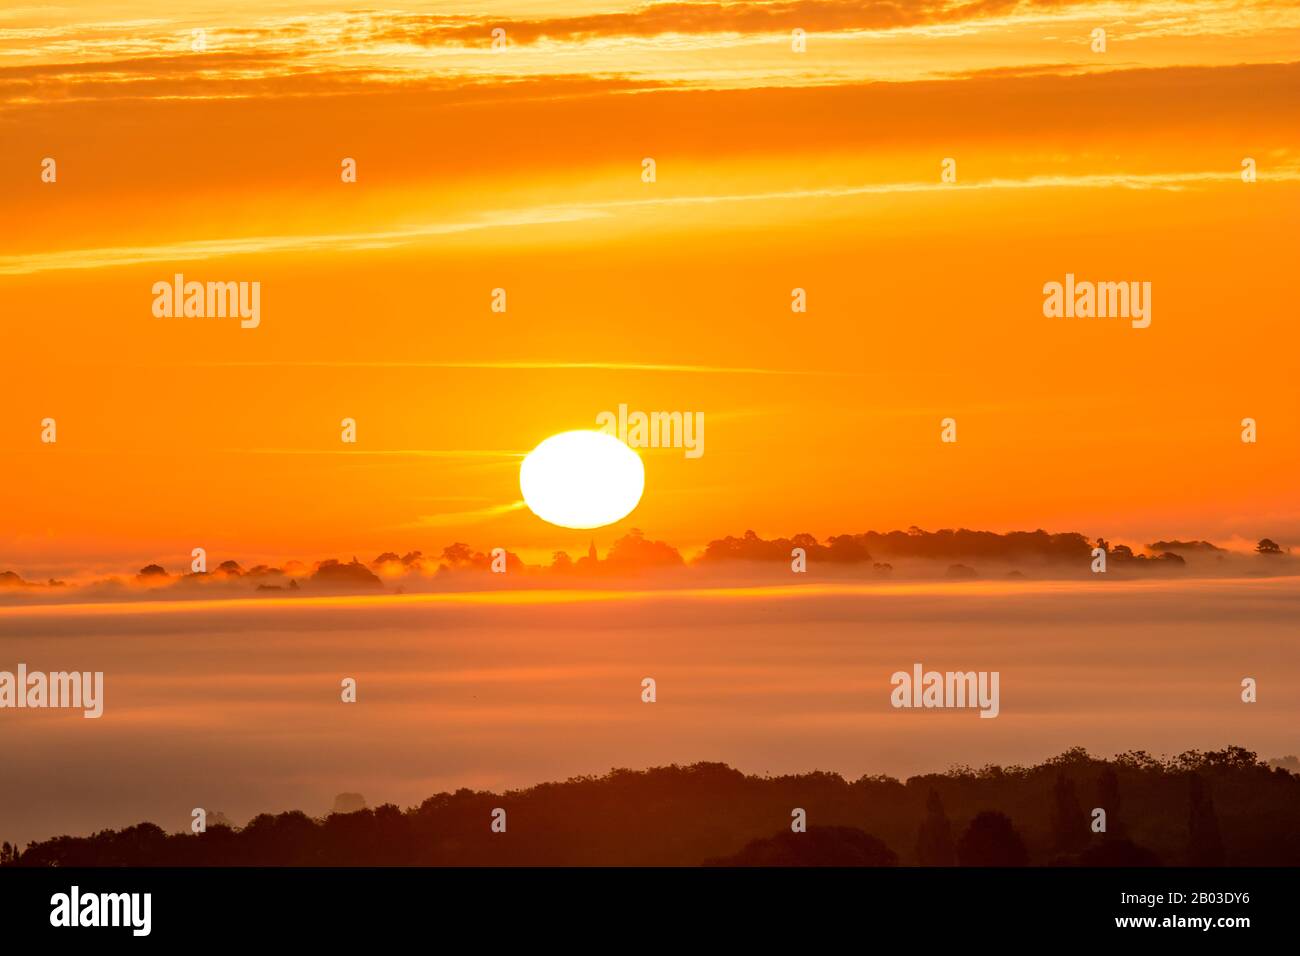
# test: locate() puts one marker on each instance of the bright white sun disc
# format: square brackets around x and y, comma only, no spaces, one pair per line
[582,479]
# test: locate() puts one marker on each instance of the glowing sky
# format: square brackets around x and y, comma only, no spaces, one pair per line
[520,169]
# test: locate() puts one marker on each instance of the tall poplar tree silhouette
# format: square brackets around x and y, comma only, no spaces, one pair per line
[1069,822]
[934,844]
[1108,799]
[1204,842]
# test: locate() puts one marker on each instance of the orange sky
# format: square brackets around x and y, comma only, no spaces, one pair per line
[521,169]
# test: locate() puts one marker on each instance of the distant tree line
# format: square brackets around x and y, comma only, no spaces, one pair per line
[1218,808]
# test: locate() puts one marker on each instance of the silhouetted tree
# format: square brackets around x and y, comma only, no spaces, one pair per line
[1069,822]
[460,554]
[335,574]
[1204,843]
[634,550]
[349,803]
[1268,546]
[1108,800]
[991,840]
[934,846]
[847,548]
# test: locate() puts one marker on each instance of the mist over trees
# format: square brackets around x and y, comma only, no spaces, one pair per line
[946,545]
[959,554]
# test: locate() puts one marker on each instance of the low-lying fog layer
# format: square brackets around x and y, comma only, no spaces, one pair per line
[235,705]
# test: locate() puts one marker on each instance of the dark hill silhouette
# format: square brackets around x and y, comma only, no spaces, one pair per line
[819,846]
[1118,853]
[1241,812]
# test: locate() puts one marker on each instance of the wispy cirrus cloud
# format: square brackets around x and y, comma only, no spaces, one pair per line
[451,453]
[198,250]
[525,366]
[707,17]
[705,43]
[473,516]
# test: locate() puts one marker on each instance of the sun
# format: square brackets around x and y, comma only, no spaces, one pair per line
[582,479]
